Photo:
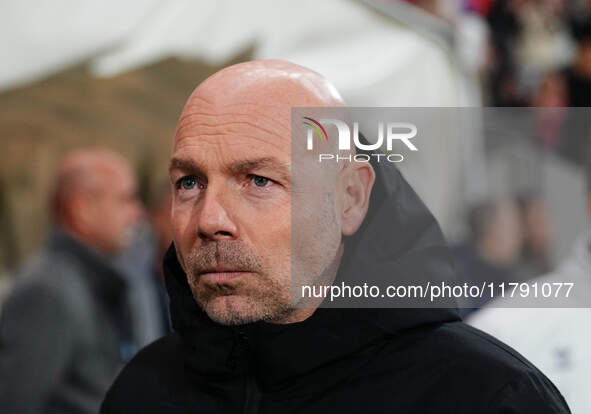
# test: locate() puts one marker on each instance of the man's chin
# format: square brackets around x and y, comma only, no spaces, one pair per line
[239,310]
[231,310]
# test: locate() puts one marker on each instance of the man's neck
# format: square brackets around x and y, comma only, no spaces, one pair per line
[296,315]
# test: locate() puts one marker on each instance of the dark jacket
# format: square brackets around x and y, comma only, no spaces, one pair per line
[61,332]
[338,360]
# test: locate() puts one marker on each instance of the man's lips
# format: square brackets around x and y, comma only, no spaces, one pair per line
[220,276]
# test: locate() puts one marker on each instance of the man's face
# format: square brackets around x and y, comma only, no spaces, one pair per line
[231,214]
[115,209]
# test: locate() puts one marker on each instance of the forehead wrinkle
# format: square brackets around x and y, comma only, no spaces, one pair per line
[280,124]
[228,127]
[268,113]
[264,143]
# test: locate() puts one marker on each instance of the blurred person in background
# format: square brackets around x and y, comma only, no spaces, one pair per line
[492,251]
[557,340]
[532,42]
[544,42]
[574,144]
[141,265]
[578,75]
[159,216]
[65,329]
[551,93]
[537,234]
[505,29]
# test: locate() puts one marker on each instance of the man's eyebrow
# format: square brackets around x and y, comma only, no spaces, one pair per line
[184,164]
[237,167]
[247,166]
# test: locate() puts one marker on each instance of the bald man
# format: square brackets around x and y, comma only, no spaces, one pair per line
[64,330]
[247,227]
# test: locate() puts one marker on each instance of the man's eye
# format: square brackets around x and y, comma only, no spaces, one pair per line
[260,181]
[187,183]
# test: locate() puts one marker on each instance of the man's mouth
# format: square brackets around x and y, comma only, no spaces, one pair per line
[221,275]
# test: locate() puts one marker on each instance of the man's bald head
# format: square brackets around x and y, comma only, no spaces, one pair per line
[259,89]
[232,173]
[94,198]
[84,172]
[273,79]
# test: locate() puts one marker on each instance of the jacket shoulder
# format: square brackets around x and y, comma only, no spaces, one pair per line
[465,370]
[52,281]
[460,340]
[503,377]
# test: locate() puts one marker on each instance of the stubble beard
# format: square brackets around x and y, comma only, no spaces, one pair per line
[249,298]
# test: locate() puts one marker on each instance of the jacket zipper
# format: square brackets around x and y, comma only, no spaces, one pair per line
[253,396]
[252,393]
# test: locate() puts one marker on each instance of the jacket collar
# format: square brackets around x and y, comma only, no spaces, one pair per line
[103,279]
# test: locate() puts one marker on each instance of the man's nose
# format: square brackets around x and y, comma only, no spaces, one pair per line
[214,222]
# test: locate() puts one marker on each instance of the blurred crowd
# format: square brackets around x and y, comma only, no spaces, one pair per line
[539,51]
[540,55]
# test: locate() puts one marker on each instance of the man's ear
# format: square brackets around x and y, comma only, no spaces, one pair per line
[80,213]
[358,179]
